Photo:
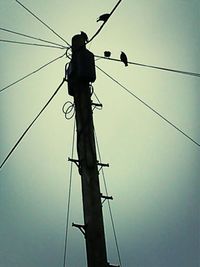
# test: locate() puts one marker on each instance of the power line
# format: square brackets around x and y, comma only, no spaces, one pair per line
[33,72]
[31,37]
[153,67]
[149,107]
[32,44]
[109,206]
[42,22]
[103,24]
[69,200]
[31,124]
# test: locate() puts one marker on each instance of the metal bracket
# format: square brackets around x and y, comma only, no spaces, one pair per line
[81,227]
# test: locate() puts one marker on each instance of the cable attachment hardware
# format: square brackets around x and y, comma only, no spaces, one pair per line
[102,165]
[81,227]
[68,109]
[91,89]
[68,54]
[106,198]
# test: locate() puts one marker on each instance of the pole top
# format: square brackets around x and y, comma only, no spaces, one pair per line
[78,42]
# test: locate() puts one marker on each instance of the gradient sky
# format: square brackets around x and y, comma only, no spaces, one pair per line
[154,170]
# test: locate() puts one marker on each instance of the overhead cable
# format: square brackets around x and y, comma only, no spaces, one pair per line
[149,107]
[32,44]
[42,22]
[151,66]
[103,24]
[69,201]
[33,72]
[31,37]
[31,124]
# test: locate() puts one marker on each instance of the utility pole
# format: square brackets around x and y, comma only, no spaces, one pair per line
[80,73]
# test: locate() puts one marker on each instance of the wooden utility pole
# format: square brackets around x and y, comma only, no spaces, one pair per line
[80,73]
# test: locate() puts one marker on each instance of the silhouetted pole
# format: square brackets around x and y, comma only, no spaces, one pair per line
[80,73]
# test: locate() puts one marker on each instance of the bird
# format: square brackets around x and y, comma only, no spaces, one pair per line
[85,37]
[107,53]
[103,17]
[124,59]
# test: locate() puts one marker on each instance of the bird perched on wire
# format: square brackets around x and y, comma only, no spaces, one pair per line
[85,37]
[124,59]
[103,17]
[107,53]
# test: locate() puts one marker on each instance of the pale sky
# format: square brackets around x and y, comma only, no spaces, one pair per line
[154,170]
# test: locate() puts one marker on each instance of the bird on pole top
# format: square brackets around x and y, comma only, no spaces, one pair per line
[124,59]
[107,53]
[85,37]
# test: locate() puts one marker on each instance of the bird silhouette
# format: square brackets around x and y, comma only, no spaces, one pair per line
[85,37]
[103,17]
[124,59]
[107,53]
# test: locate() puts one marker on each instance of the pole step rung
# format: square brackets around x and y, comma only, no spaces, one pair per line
[103,164]
[97,105]
[73,160]
[76,161]
[81,227]
[106,197]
